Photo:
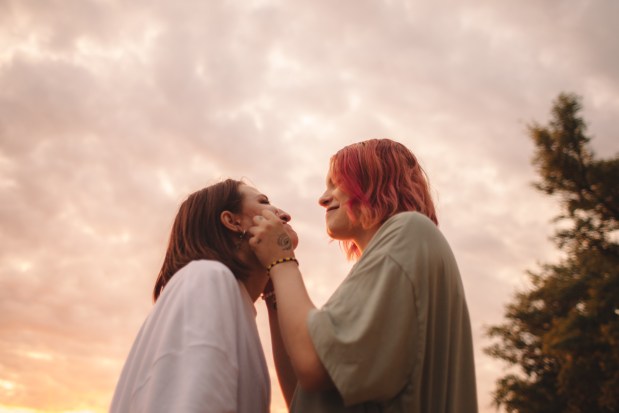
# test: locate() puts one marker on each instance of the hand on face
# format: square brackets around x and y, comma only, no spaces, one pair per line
[271,238]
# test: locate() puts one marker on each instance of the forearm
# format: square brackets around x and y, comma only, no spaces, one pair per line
[274,248]
[293,307]
[283,366]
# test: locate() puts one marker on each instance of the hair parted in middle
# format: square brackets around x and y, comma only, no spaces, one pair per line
[198,233]
[382,177]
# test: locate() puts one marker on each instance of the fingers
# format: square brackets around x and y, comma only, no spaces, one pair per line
[262,220]
[268,227]
[256,231]
[253,241]
[267,214]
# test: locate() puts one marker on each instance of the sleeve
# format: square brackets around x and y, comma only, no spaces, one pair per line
[364,333]
[196,369]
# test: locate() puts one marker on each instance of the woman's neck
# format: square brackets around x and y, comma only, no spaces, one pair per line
[363,239]
[257,276]
[255,283]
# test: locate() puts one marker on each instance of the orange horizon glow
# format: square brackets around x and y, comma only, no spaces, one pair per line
[112,112]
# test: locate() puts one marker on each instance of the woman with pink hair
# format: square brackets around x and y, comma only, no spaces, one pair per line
[396,334]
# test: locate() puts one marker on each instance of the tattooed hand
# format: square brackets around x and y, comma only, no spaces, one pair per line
[284,241]
[272,238]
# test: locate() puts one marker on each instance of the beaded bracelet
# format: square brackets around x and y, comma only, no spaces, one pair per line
[281,260]
[266,296]
[270,299]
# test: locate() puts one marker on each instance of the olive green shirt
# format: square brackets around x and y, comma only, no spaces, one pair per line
[396,335]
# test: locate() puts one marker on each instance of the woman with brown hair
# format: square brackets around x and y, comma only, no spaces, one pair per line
[199,349]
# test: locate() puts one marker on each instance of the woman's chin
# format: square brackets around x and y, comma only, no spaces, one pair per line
[295,239]
[293,236]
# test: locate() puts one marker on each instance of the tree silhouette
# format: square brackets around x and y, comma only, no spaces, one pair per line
[562,334]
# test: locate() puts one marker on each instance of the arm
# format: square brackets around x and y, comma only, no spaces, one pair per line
[193,367]
[293,303]
[283,367]
[294,306]
[374,312]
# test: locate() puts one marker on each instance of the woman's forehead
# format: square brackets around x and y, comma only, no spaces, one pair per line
[329,175]
[248,190]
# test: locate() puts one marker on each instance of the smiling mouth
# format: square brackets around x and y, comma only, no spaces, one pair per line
[332,208]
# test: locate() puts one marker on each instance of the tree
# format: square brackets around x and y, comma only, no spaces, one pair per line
[562,334]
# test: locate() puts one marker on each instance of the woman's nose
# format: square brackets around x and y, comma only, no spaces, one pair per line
[283,215]
[324,200]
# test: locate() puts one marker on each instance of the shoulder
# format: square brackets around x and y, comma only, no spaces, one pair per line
[204,274]
[198,291]
[409,219]
[406,226]
[409,235]
[208,268]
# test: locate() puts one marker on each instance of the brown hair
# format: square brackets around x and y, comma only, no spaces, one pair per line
[198,233]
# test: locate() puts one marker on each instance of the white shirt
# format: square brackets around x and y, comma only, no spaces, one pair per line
[198,350]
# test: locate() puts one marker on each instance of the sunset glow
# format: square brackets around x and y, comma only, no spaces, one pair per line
[112,112]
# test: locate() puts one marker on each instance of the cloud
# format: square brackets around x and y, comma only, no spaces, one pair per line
[112,112]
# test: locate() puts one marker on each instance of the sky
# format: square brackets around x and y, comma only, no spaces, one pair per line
[112,112]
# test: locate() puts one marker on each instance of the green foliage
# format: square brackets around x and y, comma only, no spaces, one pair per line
[563,333]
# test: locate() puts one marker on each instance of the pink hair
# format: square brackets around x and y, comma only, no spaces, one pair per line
[382,177]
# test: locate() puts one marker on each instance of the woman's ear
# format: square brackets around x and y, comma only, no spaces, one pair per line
[230,221]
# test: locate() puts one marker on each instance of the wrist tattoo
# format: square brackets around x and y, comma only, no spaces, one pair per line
[284,241]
